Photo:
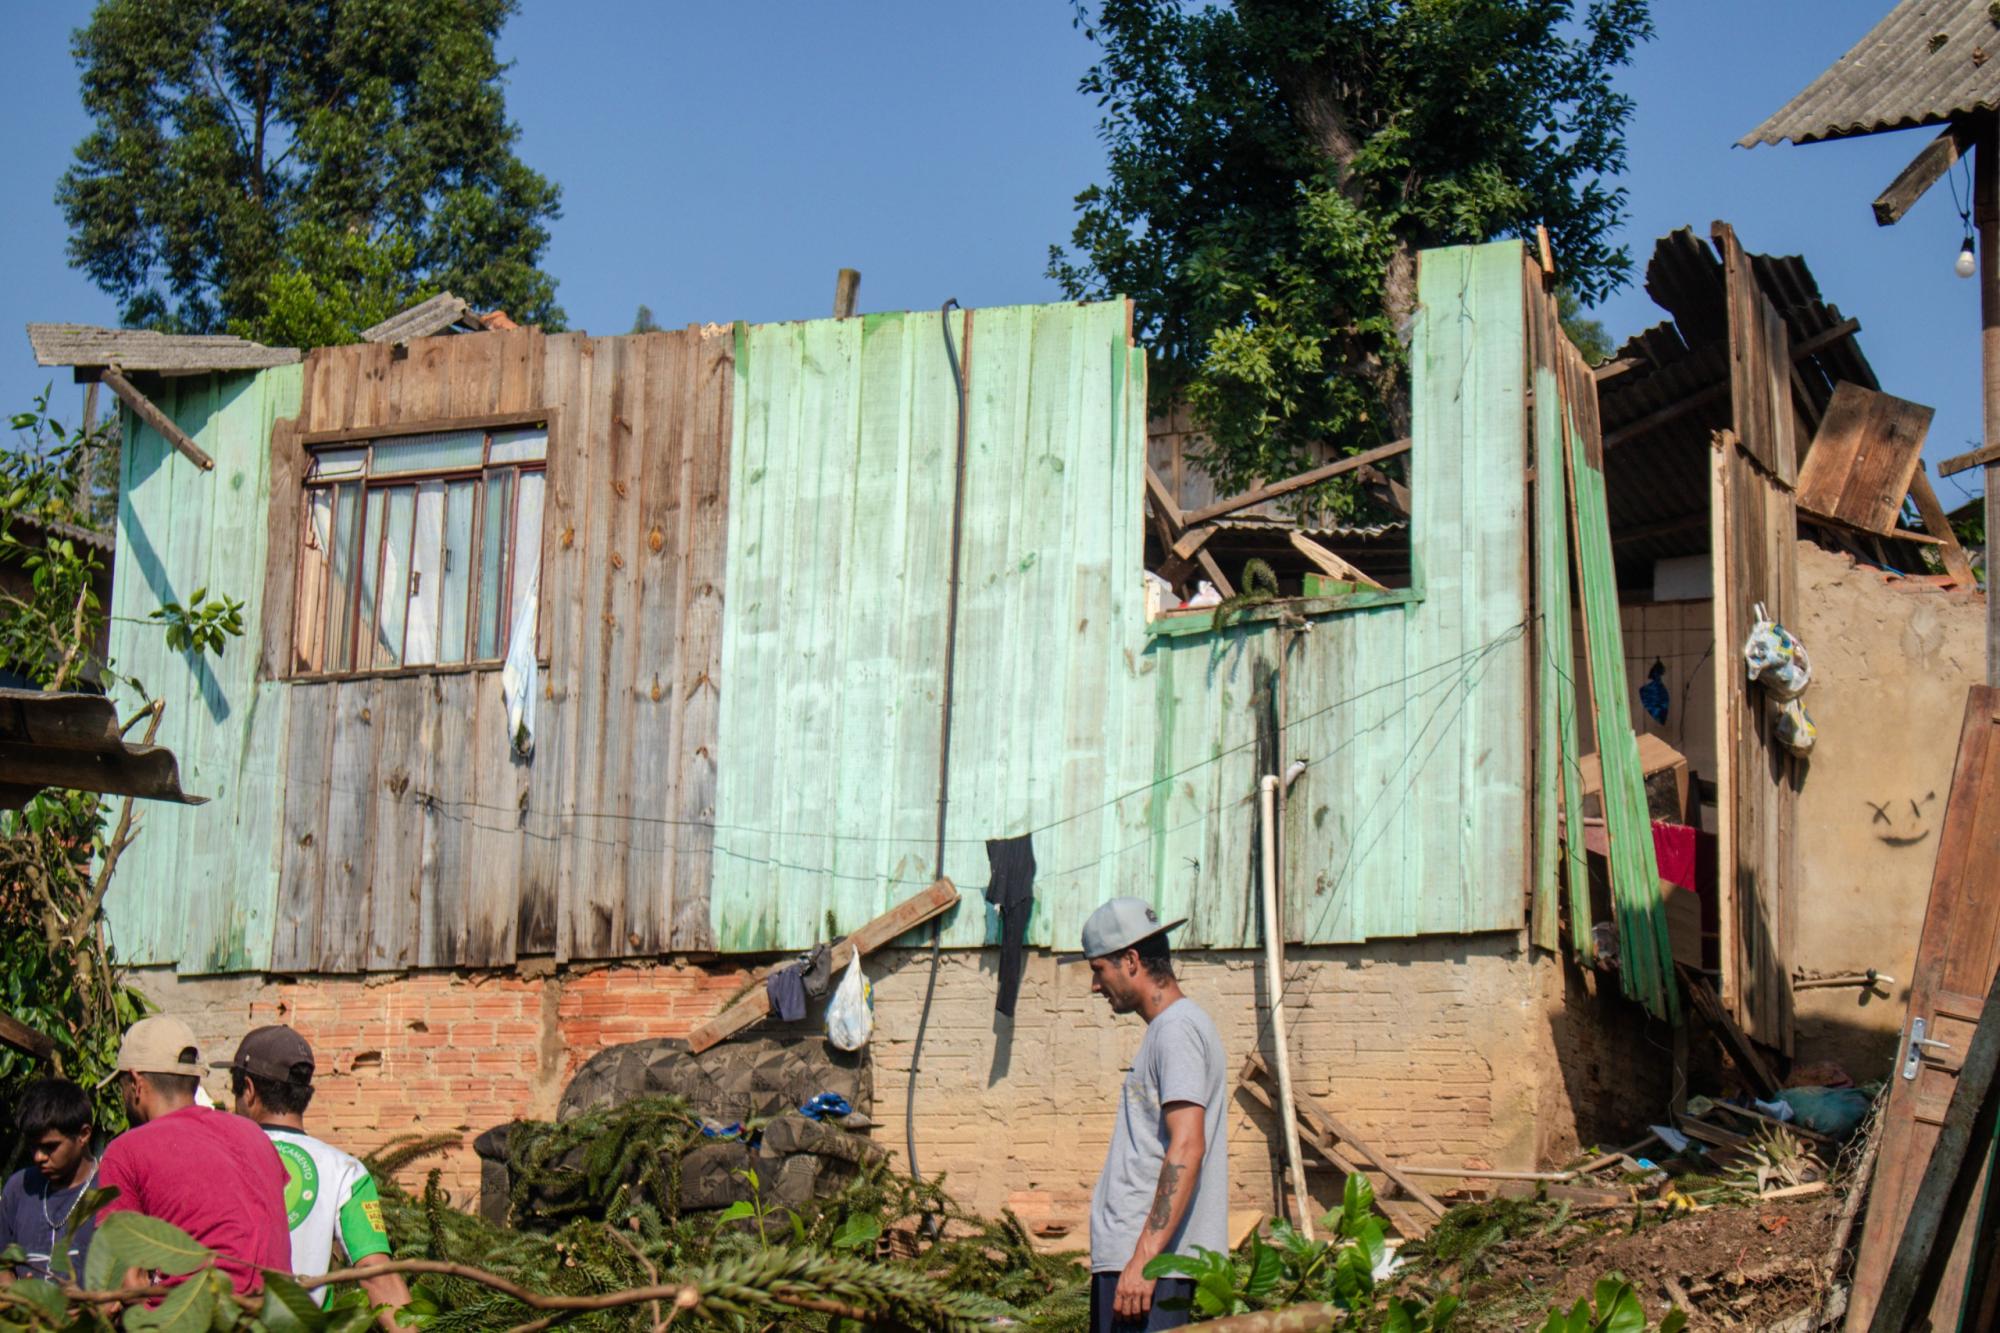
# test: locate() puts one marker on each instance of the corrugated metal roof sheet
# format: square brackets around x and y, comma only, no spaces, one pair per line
[74,740]
[1925,62]
[1657,477]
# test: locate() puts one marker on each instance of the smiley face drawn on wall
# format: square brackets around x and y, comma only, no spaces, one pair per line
[1903,821]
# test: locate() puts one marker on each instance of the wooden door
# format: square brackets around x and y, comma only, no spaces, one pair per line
[1956,961]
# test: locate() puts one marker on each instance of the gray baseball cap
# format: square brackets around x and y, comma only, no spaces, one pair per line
[1120,924]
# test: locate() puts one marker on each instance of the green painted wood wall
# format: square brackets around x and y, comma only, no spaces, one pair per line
[199,885]
[1132,759]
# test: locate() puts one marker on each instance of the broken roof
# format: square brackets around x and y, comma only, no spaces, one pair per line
[441,312]
[142,349]
[1924,63]
[73,740]
[1659,411]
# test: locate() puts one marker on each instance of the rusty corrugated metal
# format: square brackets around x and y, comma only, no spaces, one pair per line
[1925,62]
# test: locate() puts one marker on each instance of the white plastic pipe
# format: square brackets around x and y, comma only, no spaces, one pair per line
[1274,993]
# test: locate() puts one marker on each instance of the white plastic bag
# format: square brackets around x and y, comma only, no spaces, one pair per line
[1796,731]
[850,1014]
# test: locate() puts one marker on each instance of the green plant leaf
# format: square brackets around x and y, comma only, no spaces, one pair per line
[1618,1306]
[859,1230]
[736,1212]
[188,1308]
[1173,1265]
[1675,1321]
[148,1244]
[288,1307]
[44,1295]
[1397,1319]
[1267,1266]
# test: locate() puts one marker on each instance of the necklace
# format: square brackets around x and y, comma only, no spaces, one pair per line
[56,1228]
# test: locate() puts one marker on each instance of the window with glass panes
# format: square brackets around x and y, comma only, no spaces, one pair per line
[417,549]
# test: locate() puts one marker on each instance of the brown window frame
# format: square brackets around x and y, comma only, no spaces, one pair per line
[362,624]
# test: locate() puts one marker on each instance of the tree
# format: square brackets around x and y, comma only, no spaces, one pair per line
[1275,166]
[247,157]
[643,321]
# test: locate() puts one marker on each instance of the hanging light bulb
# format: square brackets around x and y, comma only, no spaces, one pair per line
[1965,265]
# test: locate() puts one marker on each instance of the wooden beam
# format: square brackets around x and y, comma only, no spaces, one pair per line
[1182,557]
[143,408]
[25,1039]
[1214,572]
[1956,562]
[846,291]
[1666,527]
[1925,169]
[1741,1049]
[1329,563]
[1328,1126]
[905,916]
[1388,490]
[1163,500]
[1257,495]
[1945,1199]
[540,416]
[1979,457]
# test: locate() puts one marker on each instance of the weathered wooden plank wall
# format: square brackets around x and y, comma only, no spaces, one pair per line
[413,836]
[1753,546]
[814,464]
[199,886]
[1133,760]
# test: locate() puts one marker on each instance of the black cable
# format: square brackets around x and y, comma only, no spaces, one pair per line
[944,752]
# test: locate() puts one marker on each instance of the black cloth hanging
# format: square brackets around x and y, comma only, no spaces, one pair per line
[1011,888]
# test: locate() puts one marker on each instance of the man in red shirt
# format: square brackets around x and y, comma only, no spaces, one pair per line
[212,1174]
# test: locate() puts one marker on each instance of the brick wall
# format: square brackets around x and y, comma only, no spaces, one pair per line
[1440,1051]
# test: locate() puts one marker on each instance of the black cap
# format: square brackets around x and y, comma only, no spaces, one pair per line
[275,1052]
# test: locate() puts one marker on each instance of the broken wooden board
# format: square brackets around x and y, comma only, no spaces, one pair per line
[1863,458]
[1746,1055]
[906,915]
[25,1039]
[1314,1116]
[1330,564]
[1408,1218]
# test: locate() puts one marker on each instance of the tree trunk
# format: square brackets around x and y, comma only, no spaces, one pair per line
[1316,106]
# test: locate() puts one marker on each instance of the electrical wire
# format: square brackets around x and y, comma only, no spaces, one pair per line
[930,1224]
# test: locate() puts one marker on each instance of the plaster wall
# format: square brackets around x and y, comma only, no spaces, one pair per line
[1892,659]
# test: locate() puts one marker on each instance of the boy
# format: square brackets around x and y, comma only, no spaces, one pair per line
[39,1202]
[331,1197]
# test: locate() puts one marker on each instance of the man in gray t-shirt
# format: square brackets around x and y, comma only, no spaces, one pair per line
[1165,1183]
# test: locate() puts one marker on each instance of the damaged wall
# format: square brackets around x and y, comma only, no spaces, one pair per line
[1891,661]
[1439,1051]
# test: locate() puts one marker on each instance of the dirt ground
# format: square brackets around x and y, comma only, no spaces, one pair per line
[1750,1266]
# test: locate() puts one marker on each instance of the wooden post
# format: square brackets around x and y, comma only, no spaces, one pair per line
[846,290]
[154,417]
[1986,216]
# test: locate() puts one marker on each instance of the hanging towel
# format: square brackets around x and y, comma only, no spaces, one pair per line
[1011,888]
[786,988]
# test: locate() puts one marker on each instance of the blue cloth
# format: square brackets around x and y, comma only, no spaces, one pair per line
[1653,695]
[1104,1287]
[35,1218]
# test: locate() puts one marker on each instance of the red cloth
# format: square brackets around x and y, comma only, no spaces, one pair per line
[1674,845]
[215,1176]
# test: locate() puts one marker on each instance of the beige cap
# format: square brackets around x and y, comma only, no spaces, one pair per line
[153,1046]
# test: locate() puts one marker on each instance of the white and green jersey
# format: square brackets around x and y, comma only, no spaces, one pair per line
[329,1197]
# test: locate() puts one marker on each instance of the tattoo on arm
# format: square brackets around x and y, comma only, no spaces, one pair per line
[1163,1198]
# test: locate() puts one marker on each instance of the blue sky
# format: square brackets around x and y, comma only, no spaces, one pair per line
[722,161]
